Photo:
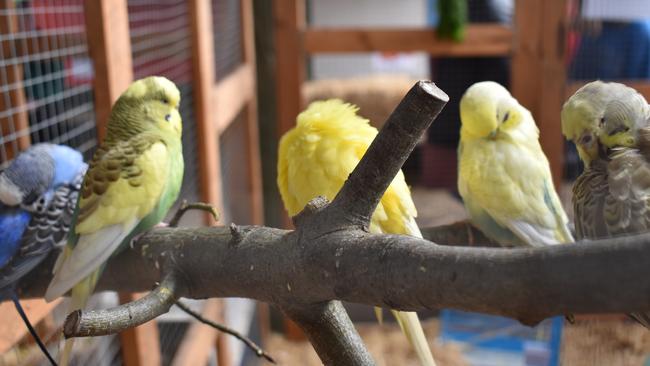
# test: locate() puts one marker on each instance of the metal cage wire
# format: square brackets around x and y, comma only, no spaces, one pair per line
[46,96]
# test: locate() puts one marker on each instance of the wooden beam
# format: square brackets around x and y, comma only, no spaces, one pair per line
[480,40]
[203,70]
[16,123]
[232,94]
[251,118]
[12,328]
[553,83]
[200,338]
[205,110]
[642,86]
[107,28]
[109,42]
[525,66]
[140,345]
[290,23]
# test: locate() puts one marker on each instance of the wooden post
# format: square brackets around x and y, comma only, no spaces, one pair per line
[203,70]
[290,22]
[200,338]
[17,121]
[12,328]
[141,345]
[250,115]
[539,72]
[553,84]
[525,79]
[109,42]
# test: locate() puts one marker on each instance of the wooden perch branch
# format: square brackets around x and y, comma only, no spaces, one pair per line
[331,256]
[114,320]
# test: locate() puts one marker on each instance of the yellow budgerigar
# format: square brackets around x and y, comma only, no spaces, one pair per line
[133,179]
[504,177]
[315,159]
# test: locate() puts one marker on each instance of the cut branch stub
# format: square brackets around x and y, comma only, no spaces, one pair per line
[114,320]
[358,198]
[311,208]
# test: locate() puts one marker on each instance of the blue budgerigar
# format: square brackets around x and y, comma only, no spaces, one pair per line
[38,195]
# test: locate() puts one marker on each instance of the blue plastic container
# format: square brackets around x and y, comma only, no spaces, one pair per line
[488,340]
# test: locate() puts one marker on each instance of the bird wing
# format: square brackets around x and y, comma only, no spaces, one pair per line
[626,206]
[47,229]
[120,189]
[515,195]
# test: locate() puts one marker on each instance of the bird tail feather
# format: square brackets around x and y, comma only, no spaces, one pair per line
[412,328]
[641,318]
[79,298]
[379,313]
[32,331]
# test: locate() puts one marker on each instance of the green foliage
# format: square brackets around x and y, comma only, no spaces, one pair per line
[453,18]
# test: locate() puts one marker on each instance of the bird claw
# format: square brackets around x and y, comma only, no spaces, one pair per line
[138,236]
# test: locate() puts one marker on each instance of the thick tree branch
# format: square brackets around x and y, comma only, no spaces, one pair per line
[359,196]
[395,271]
[329,328]
[332,257]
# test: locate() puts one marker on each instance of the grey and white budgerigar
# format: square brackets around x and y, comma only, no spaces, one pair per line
[609,124]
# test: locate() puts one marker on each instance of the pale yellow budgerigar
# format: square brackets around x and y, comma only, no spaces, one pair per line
[504,177]
[315,159]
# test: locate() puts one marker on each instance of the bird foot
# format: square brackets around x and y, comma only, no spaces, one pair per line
[138,236]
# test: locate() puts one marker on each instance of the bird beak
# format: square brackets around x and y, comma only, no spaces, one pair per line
[493,134]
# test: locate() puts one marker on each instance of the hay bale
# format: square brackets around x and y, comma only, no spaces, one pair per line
[376,95]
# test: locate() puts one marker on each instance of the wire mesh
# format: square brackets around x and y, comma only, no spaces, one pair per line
[228,50]
[603,45]
[46,96]
[235,176]
[161,45]
[45,77]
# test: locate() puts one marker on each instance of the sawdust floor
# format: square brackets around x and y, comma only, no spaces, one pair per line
[589,342]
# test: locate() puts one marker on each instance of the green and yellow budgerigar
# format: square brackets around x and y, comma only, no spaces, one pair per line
[132,181]
[609,124]
[315,159]
[504,177]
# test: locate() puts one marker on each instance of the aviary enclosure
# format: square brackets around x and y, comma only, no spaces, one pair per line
[245,71]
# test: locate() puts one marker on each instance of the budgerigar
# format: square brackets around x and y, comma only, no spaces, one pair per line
[609,124]
[133,180]
[504,177]
[315,159]
[38,194]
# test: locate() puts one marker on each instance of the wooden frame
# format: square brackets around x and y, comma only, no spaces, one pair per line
[216,106]
[538,69]
[109,42]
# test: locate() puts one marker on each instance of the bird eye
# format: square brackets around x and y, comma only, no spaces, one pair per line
[168,117]
[602,121]
[586,139]
[165,100]
[505,117]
